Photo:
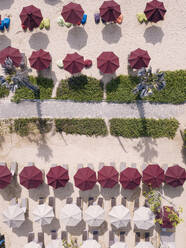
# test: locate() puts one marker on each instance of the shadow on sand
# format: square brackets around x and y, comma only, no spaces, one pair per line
[63,193]
[5,4]
[4,42]
[38,41]
[77,38]
[111,33]
[153,35]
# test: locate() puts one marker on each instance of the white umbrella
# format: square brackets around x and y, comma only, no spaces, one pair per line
[94,215]
[119,216]
[143,218]
[55,243]
[14,216]
[144,245]
[32,244]
[71,214]
[43,214]
[90,243]
[119,245]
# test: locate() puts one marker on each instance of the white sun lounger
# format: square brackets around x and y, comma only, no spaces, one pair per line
[13,168]
[122,166]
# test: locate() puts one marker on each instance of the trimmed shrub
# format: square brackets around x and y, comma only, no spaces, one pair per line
[3,91]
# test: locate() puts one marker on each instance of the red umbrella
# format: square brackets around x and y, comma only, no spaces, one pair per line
[31,17]
[110,11]
[57,177]
[73,63]
[72,13]
[85,178]
[175,176]
[5,176]
[153,175]
[108,176]
[139,58]
[130,178]
[108,62]
[155,11]
[31,177]
[40,60]
[12,53]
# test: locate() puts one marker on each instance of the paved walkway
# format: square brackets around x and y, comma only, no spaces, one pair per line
[68,109]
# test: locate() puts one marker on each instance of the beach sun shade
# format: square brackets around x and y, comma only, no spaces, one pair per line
[57,177]
[12,53]
[119,216]
[94,215]
[72,13]
[55,243]
[85,178]
[32,244]
[31,17]
[90,243]
[155,11]
[143,218]
[175,176]
[5,177]
[130,178]
[139,58]
[110,11]
[43,214]
[14,216]
[108,62]
[71,215]
[143,244]
[119,245]
[30,177]
[73,63]
[40,60]
[108,176]
[153,175]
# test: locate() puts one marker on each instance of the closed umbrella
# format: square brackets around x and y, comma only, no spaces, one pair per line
[85,178]
[108,62]
[108,176]
[31,177]
[143,218]
[175,176]
[153,175]
[12,53]
[110,11]
[71,215]
[73,63]
[14,216]
[31,17]
[119,245]
[72,13]
[130,178]
[94,215]
[43,214]
[32,244]
[55,243]
[40,60]
[57,177]
[155,11]
[143,244]
[139,58]
[5,177]
[119,216]
[90,243]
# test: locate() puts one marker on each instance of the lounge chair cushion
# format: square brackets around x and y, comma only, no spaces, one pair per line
[46,22]
[83,21]
[2,25]
[7,22]
[97,18]
[141,17]
[60,21]
[119,19]
[41,26]
[67,24]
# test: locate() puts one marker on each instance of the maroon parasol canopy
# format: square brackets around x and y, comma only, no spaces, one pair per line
[5,176]
[85,178]
[31,17]
[31,177]
[108,62]
[175,176]
[153,175]
[73,63]
[108,176]
[155,11]
[57,177]
[40,60]
[139,58]
[110,11]
[12,53]
[72,13]
[130,178]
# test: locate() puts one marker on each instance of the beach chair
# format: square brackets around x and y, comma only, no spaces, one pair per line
[122,236]
[30,237]
[96,235]
[133,165]
[147,236]
[51,202]
[113,202]
[53,165]
[13,201]
[136,204]
[122,166]
[24,204]
[84,19]
[53,234]
[111,238]
[7,22]
[3,164]
[79,202]
[40,239]
[41,200]
[113,164]
[13,168]
[90,166]
[137,237]
[167,237]
[165,167]
[30,164]
[90,201]
[65,166]
[97,18]
[143,166]
[64,235]
[100,201]
[79,166]
[85,235]
[123,201]
[101,165]
[69,200]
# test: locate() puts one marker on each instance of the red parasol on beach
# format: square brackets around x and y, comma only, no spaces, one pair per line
[175,176]
[72,13]
[108,62]
[5,176]
[12,53]
[110,11]
[57,177]
[130,178]
[153,175]
[108,176]
[155,11]
[139,58]
[85,178]
[73,63]
[40,60]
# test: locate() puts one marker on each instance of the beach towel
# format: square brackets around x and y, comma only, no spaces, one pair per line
[97,18]
[60,63]
[46,22]
[84,19]
[7,22]
[2,25]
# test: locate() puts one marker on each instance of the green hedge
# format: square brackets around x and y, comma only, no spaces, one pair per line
[45,85]
[184,138]
[3,91]
[120,89]
[135,128]
[89,127]
[81,89]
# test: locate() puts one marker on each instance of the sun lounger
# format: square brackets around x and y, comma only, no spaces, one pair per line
[137,237]
[95,235]
[64,235]
[79,166]
[122,236]
[84,19]
[167,237]
[97,18]
[41,200]
[136,204]
[53,165]
[30,237]
[51,202]
[65,166]
[123,201]
[40,239]
[113,164]
[90,201]
[122,166]
[143,166]
[111,238]
[113,202]
[100,201]
[90,166]
[24,204]
[6,22]
[2,26]
[147,236]
[3,164]
[165,167]
[53,234]
[133,165]
[69,200]
[85,235]
[30,164]
[79,202]
[13,202]
[13,168]
[101,165]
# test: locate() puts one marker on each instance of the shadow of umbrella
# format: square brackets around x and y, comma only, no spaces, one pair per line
[39,41]
[77,38]
[4,42]
[52,2]
[153,35]
[111,33]
[5,4]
